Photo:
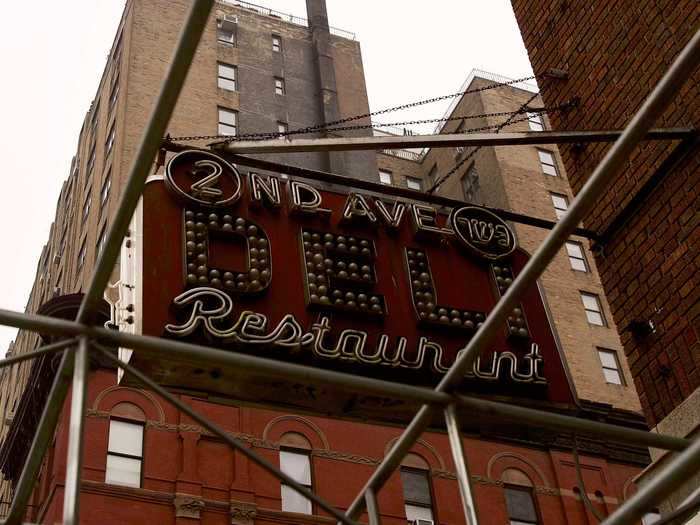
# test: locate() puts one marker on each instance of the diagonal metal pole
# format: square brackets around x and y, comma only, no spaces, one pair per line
[678,471]
[232,442]
[373,508]
[271,368]
[601,178]
[460,459]
[42,437]
[52,348]
[150,141]
[71,497]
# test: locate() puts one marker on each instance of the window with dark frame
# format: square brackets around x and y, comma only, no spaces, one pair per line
[228,122]
[106,187]
[276,43]
[611,366]
[114,91]
[432,173]
[414,183]
[279,86]
[386,177]
[227,76]
[91,159]
[418,501]
[577,257]
[282,130]
[535,122]
[297,465]
[225,33]
[560,203]
[470,185]
[109,143]
[548,162]
[101,240]
[87,203]
[594,311]
[81,254]
[521,505]
[124,453]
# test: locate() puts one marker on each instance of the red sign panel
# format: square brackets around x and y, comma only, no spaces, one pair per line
[365,284]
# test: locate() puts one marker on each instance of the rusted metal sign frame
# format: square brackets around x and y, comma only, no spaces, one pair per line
[73,362]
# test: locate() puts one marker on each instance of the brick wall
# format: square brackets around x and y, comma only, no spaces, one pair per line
[614,53]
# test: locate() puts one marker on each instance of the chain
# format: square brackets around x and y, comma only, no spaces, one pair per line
[510,120]
[328,125]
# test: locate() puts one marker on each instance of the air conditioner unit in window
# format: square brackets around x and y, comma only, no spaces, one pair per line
[423,522]
[228,22]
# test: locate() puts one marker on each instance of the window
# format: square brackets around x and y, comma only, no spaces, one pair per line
[282,130]
[297,465]
[81,255]
[227,77]
[225,33]
[520,505]
[549,166]
[470,185]
[106,186]
[591,304]
[86,204]
[414,183]
[535,121]
[124,453]
[561,204]
[276,44]
[109,143]
[432,173]
[418,502]
[114,91]
[101,239]
[228,122]
[91,160]
[611,366]
[95,116]
[279,86]
[385,177]
[577,258]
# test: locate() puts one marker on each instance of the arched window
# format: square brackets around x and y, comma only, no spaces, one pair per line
[417,493]
[125,445]
[520,501]
[295,461]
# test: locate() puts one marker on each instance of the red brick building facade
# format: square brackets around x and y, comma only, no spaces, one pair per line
[649,258]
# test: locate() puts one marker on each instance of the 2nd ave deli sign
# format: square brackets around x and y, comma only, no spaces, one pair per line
[282,269]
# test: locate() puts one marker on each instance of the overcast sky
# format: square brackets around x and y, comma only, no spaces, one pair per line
[53,56]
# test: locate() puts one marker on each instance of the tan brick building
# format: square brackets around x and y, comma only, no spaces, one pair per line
[519,179]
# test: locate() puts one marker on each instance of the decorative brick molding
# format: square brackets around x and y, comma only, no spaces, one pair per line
[187,506]
[243,513]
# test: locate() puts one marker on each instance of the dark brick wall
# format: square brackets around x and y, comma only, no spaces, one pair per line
[615,52]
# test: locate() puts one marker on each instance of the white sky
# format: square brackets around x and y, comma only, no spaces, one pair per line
[53,55]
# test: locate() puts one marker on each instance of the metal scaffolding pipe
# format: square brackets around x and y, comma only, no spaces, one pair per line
[439,141]
[372,508]
[232,442]
[71,496]
[460,459]
[42,438]
[52,348]
[277,369]
[601,178]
